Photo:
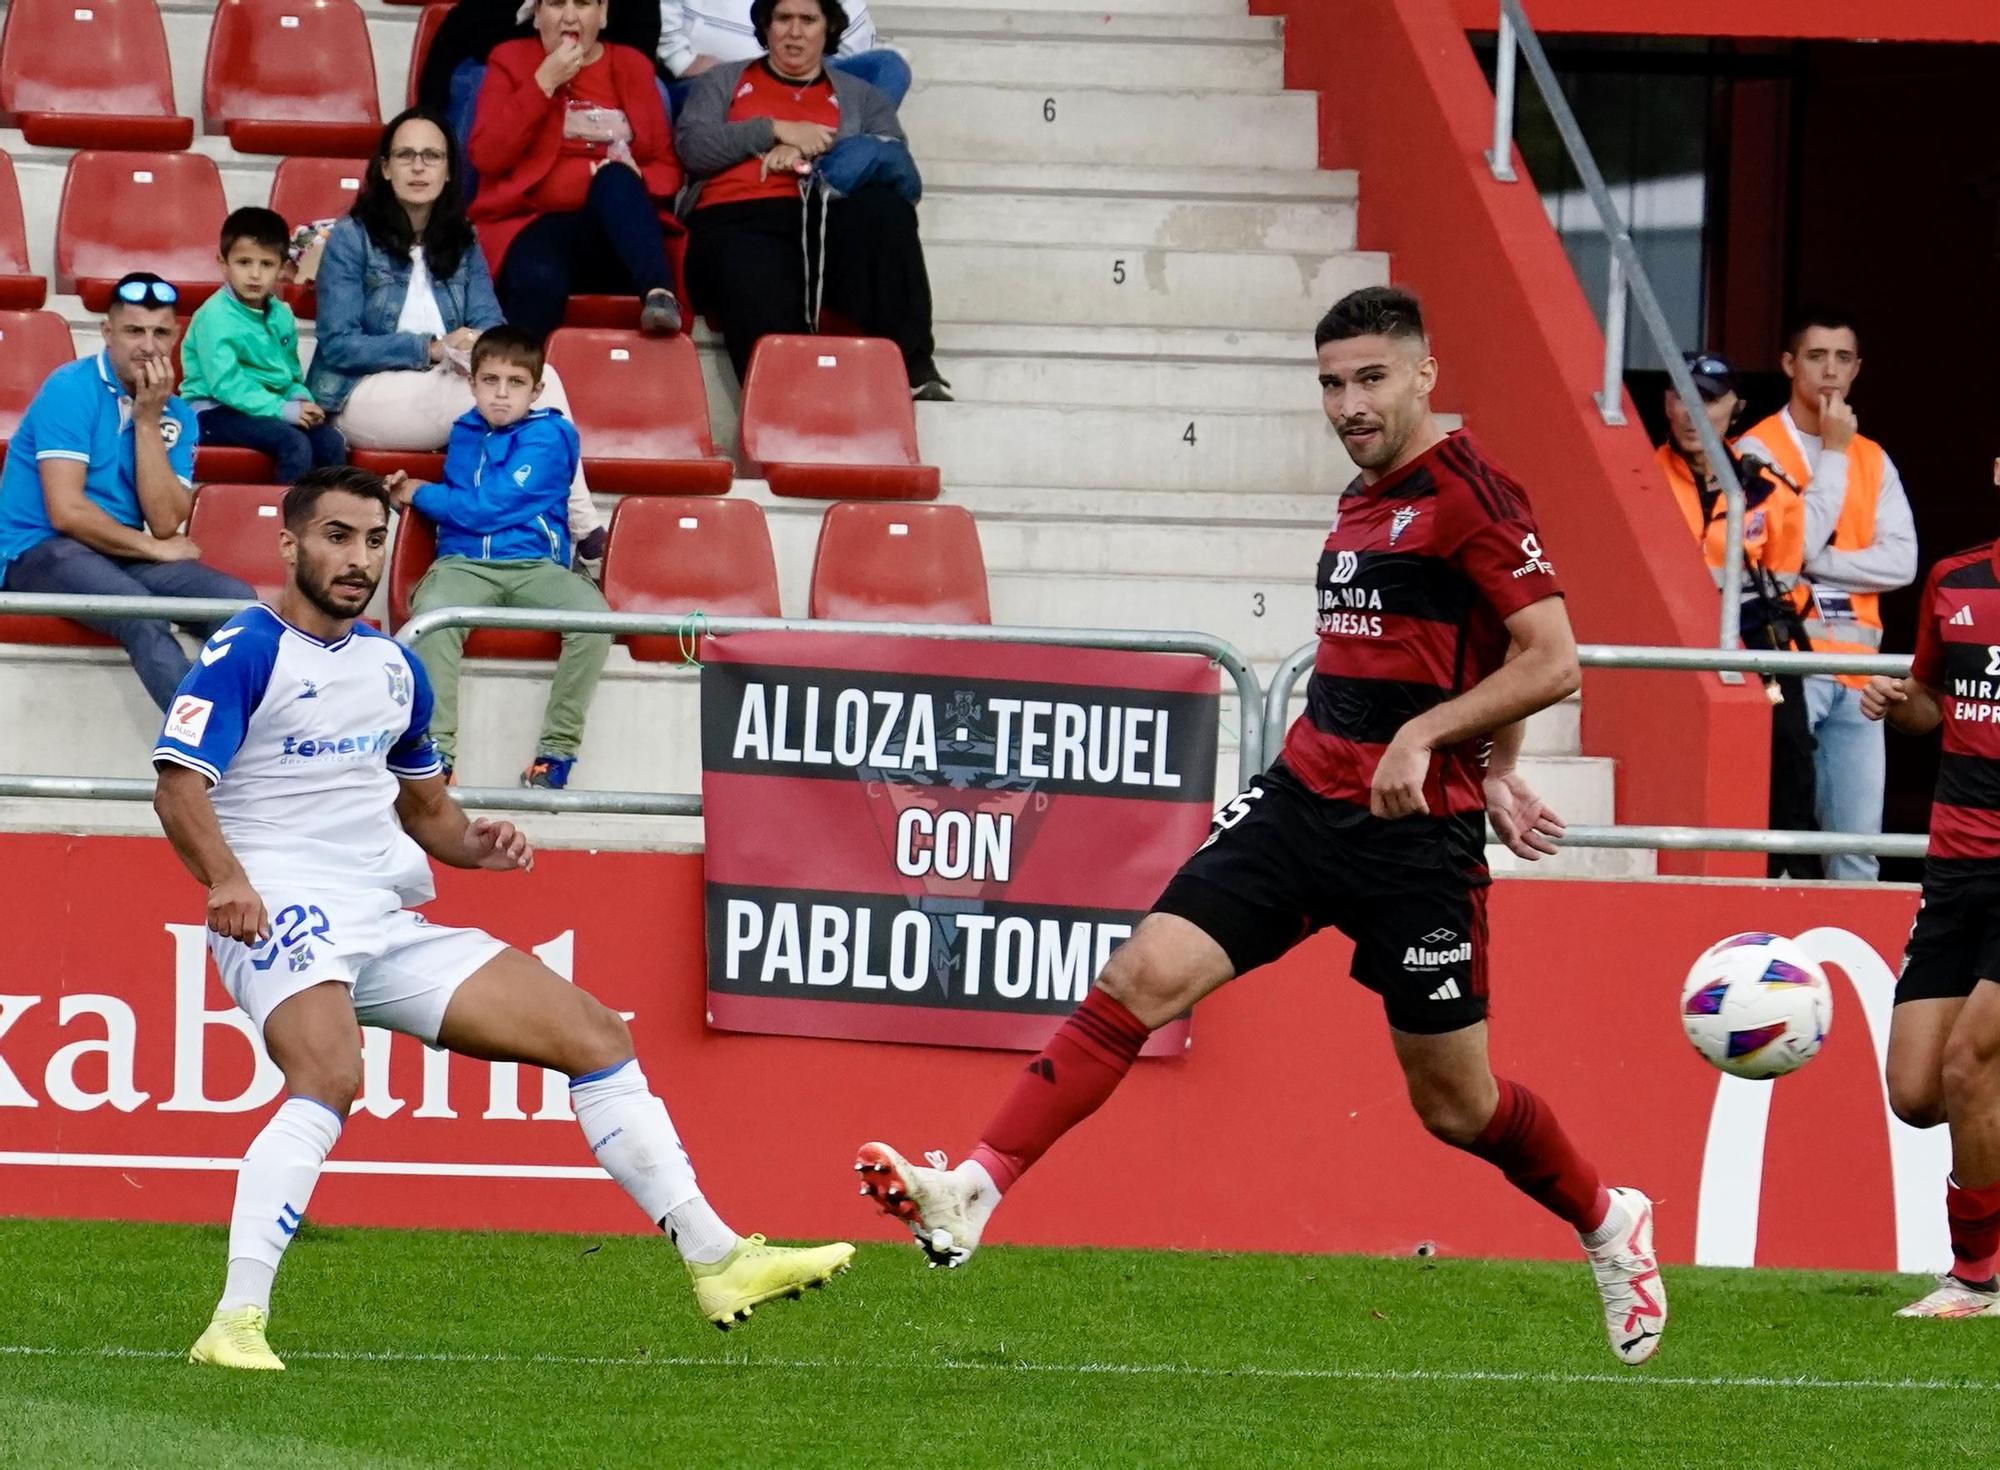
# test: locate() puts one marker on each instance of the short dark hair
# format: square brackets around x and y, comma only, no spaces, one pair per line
[761,12]
[1373,311]
[512,345]
[344,479]
[260,226]
[1817,314]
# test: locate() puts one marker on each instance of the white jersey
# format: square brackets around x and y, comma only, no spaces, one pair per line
[303,743]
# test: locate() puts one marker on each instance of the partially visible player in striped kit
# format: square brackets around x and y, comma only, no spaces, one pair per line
[1441,629]
[1944,1044]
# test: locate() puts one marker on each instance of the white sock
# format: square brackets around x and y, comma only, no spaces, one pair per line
[1615,1220]
[273,1188]
[629,1131]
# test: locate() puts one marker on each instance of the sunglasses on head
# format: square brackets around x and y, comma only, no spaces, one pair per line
[154,293]
[1708,367]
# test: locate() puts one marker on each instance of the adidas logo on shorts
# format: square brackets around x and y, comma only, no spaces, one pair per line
[1447,991]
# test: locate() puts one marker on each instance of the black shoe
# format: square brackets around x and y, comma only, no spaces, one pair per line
[933,389]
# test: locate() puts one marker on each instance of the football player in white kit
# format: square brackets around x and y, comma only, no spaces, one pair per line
[298,783]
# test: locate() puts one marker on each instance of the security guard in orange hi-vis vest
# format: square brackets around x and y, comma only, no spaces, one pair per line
[1860,542]
[1773,566]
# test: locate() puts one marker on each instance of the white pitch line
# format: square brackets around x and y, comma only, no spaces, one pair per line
[419,1168]
[1637,1378]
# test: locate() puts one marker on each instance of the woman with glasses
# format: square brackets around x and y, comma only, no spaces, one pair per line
[404,292]
[577,172]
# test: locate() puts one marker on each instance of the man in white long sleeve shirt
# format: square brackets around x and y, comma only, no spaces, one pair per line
[696,34]
[1860,541]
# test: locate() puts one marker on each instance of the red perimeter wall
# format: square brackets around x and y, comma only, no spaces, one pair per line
[126,1091]
[1403,101]
[1849,20]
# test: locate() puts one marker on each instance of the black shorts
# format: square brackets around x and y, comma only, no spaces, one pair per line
[1955,942]
[1283,863]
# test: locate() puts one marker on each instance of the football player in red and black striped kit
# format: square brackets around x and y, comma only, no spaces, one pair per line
[1944,1043]
[1441,629]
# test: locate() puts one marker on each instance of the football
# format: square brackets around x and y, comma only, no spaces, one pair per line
[1756,1005]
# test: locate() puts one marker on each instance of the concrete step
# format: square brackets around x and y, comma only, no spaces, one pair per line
[1103,124]
[1069,58]
[1265,617]
[1134,448]
[898,24]
[1074,285]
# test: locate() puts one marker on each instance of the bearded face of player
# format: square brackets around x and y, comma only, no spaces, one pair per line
[337,556]
[1377,395]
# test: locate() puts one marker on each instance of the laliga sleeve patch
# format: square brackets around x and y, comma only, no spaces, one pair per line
[187,721]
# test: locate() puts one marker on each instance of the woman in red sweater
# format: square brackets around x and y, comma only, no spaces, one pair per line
[577,172]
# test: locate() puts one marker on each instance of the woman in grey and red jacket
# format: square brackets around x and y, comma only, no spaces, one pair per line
[767,245]
[577,171]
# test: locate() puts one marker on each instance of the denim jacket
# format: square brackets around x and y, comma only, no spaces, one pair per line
[361,291]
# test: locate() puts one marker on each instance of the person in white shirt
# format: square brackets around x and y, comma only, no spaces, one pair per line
[1860,542]
[698,34]
[300,787]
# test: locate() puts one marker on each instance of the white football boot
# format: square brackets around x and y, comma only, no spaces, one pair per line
[1628,1278]
[946,1209]
[1953,1298]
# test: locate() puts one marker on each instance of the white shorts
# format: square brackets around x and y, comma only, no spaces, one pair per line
[401,968]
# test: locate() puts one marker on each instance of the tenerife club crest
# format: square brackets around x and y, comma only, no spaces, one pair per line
[399,682]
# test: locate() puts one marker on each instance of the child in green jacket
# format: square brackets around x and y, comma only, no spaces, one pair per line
[241,357]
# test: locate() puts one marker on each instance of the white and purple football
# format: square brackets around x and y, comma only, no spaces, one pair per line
[1756,1005]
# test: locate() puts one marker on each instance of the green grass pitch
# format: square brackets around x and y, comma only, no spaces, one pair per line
[419,1349]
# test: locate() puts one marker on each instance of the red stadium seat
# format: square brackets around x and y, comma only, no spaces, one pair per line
[829,418]
[90,75]
[33,344]
[20,288]
[291,76]
[228,464]
[414,551]
[236,527]
[642,412]
[306,190]
[418,464]
[420,48]
[899,564]
[130,211]
[676,554]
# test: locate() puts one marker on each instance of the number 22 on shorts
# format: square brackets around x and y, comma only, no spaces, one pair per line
[288,928]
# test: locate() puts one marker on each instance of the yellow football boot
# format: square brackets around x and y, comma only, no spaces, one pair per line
[235,1339]
[755,1273]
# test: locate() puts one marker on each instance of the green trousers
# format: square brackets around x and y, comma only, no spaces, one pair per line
[457,581]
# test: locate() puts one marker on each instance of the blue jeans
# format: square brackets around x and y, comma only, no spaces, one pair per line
[883,70]
[615,244]
[61,564]
[1849,770]
[293,450]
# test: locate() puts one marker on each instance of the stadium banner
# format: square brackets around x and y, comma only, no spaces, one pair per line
[925,840]
[129,1086]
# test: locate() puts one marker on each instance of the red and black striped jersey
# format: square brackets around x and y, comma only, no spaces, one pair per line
[1418,576]
[1958,655]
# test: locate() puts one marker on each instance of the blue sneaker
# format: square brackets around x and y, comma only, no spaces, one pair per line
[550,772]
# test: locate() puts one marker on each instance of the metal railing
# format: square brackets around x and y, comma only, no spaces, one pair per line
[1627,278]
[691,628]
[1277,716]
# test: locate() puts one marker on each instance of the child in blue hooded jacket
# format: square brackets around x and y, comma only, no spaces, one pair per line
[502,518]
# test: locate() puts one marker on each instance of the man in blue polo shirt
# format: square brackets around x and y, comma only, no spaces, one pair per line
[99,481]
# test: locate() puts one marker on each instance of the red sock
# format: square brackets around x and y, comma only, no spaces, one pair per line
[1526,1143]
[1079,1068]
[1975,1229]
